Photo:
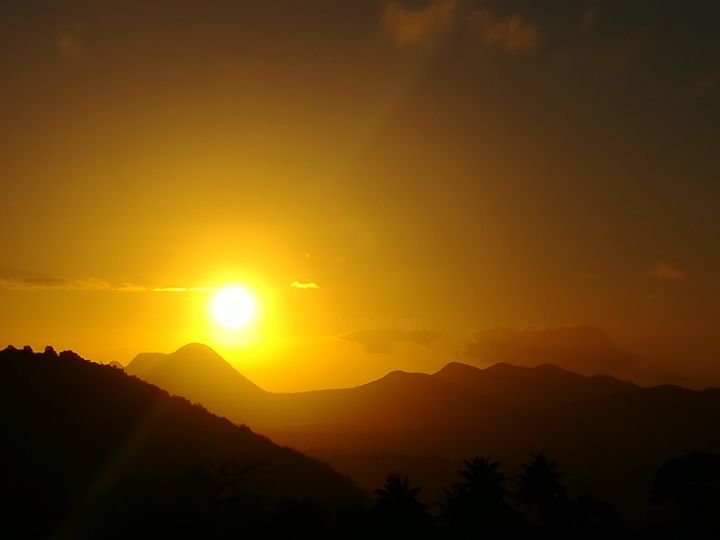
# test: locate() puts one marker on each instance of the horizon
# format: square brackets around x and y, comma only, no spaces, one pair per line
[429,168]
[192,347]
[197,357]
[584,349]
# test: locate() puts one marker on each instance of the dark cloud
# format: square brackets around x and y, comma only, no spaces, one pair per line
[407,26]
[70,43]
[580,348]
[513,33]
[583,349]
[589,18]
[705,85]
[664,270]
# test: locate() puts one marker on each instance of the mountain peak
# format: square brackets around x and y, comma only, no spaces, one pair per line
[197,355]
[545,370]
[397,376]
[457,368]
[196,349]
[194,371]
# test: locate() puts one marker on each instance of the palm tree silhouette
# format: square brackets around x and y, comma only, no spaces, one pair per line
[397,493]
[398,509]
[691,484]
[477,505]
[483,480]
[540,486]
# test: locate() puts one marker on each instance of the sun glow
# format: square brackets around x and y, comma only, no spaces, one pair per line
[233,307]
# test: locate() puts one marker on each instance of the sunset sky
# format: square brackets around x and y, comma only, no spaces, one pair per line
[426,170]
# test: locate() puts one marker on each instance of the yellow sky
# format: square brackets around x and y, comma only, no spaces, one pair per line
[441,165]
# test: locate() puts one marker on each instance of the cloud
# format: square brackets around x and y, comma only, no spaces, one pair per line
[411,27]
[663,270]
[50,282]
[513,34]
[705,85]
[381,340]
[407,27]
[589,18]
[304,285]
[90,284]
[182,289]
[69,43]
[584,349]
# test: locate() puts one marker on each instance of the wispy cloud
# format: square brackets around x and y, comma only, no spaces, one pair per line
[183,289]
[705,85]
[70,43]
[51,282]
[381,340]
[407,26]
[304,285]
[90,284]
[589,18]
[419,26]
[663,270]
[514,34]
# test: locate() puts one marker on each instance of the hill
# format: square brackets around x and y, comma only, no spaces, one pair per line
[86,445]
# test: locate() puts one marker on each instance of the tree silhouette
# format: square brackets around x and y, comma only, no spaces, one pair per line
[398,511]
[483,480]
[691,484]
[477,505]
[397,493]
[540,486]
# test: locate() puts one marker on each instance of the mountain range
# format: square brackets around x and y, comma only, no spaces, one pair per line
[604,431]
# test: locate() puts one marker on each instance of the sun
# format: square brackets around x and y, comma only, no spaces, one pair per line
[233,307]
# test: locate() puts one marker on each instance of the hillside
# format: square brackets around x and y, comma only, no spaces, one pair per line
[83,439]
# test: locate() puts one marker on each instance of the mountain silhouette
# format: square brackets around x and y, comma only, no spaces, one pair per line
[199,373]
[82,439]
[603,429]
[546,383]
[193,362]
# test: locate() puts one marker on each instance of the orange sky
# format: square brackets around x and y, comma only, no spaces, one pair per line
[449,166]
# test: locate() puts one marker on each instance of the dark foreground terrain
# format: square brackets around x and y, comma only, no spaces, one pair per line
[91,452]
